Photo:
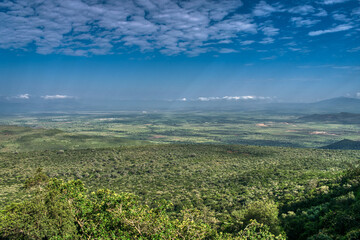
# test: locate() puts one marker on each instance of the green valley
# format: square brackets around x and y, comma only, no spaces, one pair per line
[301,193]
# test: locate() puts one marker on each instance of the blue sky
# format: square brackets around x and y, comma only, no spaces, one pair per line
[168,50]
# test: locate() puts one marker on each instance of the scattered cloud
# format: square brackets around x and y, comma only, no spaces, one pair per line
[247,42]
[295,49]
[339,28]
[81,28]
[23,96]
[342,67]
[226,41]
[58,96]
[321,13]
[330,2]
[267,40]
[262,9]
[269,58]
[356,49]
[356,11]
[171,27]
[337,67]
[302,10]
[227,50]
[245,98]
[270,30]
[236,98]
[341,17]
[205,99]
[286,38]
[301,22]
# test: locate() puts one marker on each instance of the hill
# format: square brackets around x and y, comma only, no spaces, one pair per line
[345,144]
[343,118]
[340,104]
[38,105]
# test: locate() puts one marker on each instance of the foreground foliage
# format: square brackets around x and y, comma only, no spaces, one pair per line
[308,193]
[65,210]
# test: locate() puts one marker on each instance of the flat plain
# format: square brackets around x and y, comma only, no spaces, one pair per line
[98,130]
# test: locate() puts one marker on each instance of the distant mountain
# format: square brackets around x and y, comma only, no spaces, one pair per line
[339,101]
[343,118]
[340,104]
[345,144]
[10,106]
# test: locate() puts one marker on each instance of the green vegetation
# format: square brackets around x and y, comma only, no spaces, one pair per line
[343,118]
[228,184]
[100,130]
[137,187]
[65,210]
[344,144]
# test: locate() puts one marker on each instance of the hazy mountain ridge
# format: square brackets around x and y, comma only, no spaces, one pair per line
[343,117]
[341,104]
[345,144]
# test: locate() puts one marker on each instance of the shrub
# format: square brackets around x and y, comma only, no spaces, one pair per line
[264,212]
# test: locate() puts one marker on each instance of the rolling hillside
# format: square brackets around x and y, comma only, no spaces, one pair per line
[343,118]
[345,144]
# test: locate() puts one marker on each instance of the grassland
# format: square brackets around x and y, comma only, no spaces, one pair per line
[98,130]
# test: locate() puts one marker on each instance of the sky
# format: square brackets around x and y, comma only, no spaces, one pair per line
[198,50]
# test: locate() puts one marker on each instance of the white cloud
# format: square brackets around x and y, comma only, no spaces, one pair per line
[81,28]
[270,30]
[247,42]
[330,2]
[356,49]
[227,50]
[342,67]
[338,28]
[321,13]
[172,27]
[286,38]
[302,10]
[267,40]
[58,96]
[234,98]
[341,17]
[358,94]
[227,41]
[295,49]
[205,99]
[240,97]
[263,9]
[269,58]
[356,11]
[23,96]
[301,22]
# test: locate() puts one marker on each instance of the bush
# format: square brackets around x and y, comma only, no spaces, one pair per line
[65,210]
[259,231]
[264,212]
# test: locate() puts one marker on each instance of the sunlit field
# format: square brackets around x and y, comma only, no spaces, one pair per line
[95,130]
